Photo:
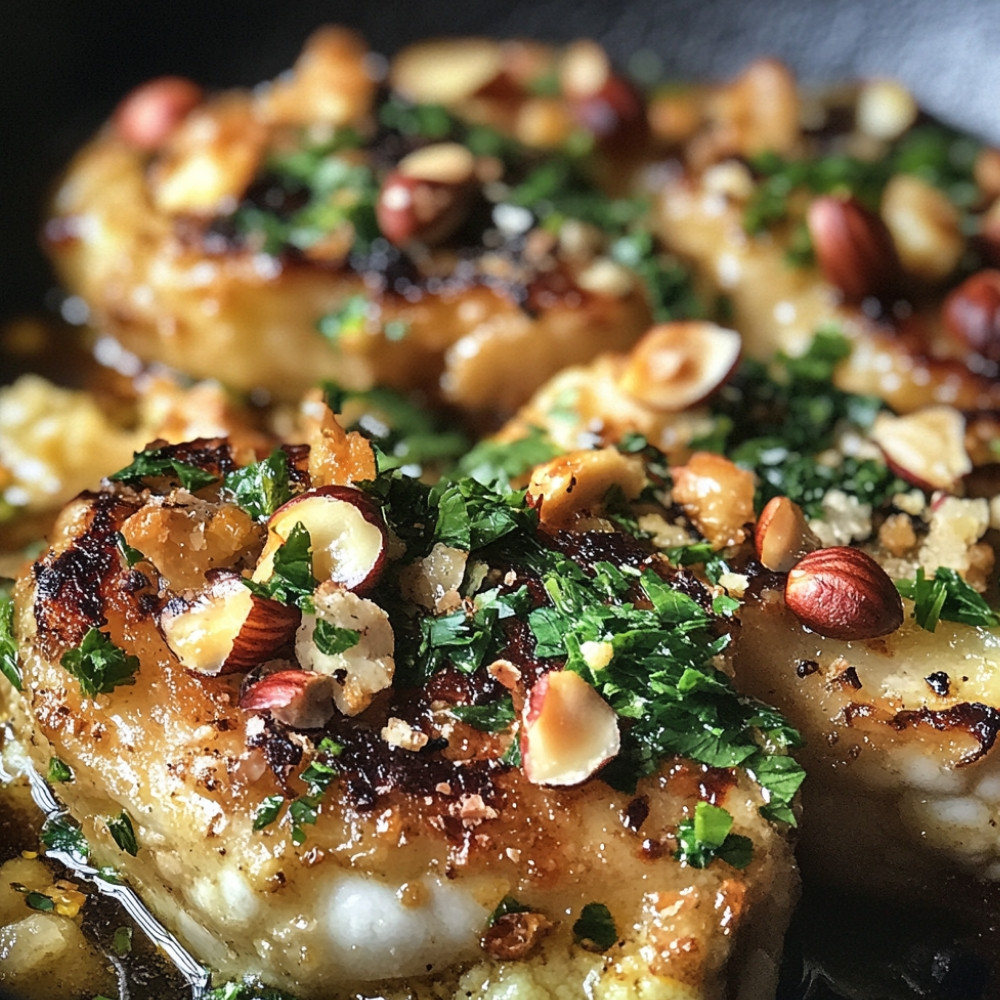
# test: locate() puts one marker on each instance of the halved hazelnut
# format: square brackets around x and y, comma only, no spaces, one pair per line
[843,593]
[225,627]
[445,70]
[926,447]
[148,116]
[426,198]
[298,698]
[782,535]
[347,533]
[359,668]
[971,312]
[676,365]
[601,102]
[854,248]
[568,731]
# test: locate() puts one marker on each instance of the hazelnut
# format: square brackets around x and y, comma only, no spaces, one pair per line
[427,197]
[147,117]
[782,535]
[298,698]
[971,312]
[843,593]
[446,70]
[854,248]
[926,447]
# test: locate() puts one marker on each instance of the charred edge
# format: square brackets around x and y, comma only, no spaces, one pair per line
[214,455]
[980,721]
[281,753]
[69,593]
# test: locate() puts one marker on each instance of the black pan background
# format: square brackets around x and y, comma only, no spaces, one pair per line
[65,63]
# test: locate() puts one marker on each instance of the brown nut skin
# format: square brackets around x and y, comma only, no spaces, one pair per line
[782,535]
[842,593]
[148,116]
[971,313]
[428,196]
[854,248]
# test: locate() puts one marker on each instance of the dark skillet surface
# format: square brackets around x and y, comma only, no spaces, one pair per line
[65,63]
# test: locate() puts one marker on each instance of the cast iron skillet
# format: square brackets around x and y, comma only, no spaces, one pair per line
[64,64]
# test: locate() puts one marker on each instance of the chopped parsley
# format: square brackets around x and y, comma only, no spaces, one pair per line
[267,811]
[404,434]
[9,665]
[946,596]
[292,580]
[506,905]
[246,989]
[332,639]
[307,194]
[131,555]
[155,463]
[99,665]
[59,771]
[499,462]
[261,487]
[121,941]
[61,833]
[707,836]
[35,900]
[123,833]
[595,928]
[776,419]
[349,319]
[493,717]
[472,516]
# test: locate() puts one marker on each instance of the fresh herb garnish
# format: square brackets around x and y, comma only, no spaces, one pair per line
[246,989]
[946,596]
[9,665]
[261,487]
[131,555]
[493,717]
[349,319]
[158,462]
[776,419]
[471,515]
[506,905]
[59,771]
[305,809]
[63,834]
[292,580]
[123,833]
[707,836]
[332,639]
[99,665]
[121,941]
[267,811]
[595,928]
[35,900]
[499,462]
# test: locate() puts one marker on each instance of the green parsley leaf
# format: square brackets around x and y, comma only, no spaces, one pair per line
[267,811]
[262,487]
[497,463]
[59,771]
[946,596]
[707,836]
[506,905]
[123,833]
[9,665]
[292,580]
[38,901]
[249,988]
[698,554]
[121,941]
[595,928]
[132,556]
[349,319]
[63,834]
[471,515]
[99,665]
[331,639]
[318,776]
[493,717]
[158,462]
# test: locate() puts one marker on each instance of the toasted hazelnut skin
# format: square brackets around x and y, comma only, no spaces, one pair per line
[854,248]
[782,535]
[842,593]
[146,118]
[971,313]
